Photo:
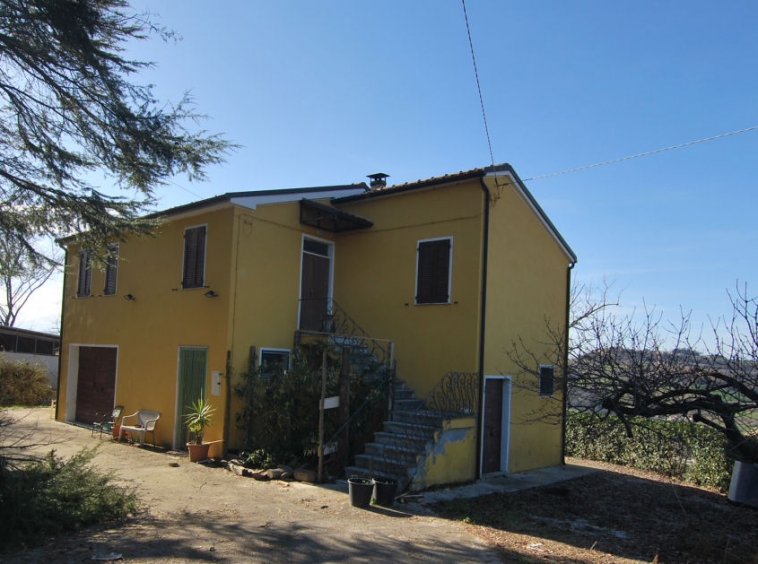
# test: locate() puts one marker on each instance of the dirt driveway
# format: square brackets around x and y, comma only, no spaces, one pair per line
[199,514]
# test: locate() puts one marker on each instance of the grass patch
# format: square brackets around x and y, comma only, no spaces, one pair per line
[612,515]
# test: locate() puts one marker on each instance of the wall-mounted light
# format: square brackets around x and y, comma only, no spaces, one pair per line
[130,297]
[211,294]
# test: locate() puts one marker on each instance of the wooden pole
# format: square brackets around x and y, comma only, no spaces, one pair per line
[343,440]
[321,420]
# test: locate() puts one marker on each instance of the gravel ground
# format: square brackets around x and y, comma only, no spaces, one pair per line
[194,513]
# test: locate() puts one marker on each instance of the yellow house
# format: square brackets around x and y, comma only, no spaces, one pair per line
[444,274]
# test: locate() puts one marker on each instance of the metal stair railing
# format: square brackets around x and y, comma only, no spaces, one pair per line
[457,393]
[337,323]
[387,381]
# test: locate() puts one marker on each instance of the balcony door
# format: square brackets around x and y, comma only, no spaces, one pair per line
[315,284]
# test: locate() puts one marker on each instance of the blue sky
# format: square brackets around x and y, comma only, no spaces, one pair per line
[326,92]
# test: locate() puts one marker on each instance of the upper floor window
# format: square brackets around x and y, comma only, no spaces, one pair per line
[193,275]
[84,285]
[433,271]
[111,270]
[547,379]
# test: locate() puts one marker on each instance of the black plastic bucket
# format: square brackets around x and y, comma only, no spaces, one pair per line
[384,492]
[360,491]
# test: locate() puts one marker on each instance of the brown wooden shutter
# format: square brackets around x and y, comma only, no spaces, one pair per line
[111,271]
[433,278]
[194,257]
[84,284]
[547,380]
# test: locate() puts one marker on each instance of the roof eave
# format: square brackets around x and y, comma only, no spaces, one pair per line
[537,209]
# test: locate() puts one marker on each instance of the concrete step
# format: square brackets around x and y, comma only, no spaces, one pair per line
[417,444]
[404,394]
[395,453]
[412,430]
[378,466]
[421,416]
[407,404]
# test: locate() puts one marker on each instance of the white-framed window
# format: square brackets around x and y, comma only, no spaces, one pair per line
[434,260]
[272,361]
[111,270]
[84,284]
[547,379]
[193,272]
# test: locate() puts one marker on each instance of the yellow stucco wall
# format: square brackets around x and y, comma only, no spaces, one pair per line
[452,457]
[253,262]
[375,283]
[267,285]
[527,272]
[375,279]
[150,329]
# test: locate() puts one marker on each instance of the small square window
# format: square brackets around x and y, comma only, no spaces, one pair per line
[547,379]
[273,361]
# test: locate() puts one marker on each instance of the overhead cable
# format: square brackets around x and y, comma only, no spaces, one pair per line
[645,154]
[478,85]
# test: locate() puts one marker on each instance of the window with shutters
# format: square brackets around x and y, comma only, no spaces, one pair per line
[84,285]
[434,258]
[111,270]
[194,257]
[547,379]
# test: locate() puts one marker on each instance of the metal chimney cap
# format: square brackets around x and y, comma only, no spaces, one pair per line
[378,179]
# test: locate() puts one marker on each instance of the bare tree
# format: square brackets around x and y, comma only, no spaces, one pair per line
[638,366]
[588,306]
[20,277]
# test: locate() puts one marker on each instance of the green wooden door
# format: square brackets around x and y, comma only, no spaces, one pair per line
[193,369]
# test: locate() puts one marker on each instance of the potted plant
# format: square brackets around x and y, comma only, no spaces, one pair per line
[199,417]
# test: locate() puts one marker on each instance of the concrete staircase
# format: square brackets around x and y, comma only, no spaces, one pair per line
[405,436]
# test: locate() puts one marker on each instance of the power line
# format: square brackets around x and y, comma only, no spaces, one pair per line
[645,154]
[478,85]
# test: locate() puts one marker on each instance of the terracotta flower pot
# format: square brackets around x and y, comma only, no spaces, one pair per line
[198,452]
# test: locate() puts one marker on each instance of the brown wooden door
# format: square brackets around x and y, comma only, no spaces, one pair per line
[96,384]
[314,303]
[493,425]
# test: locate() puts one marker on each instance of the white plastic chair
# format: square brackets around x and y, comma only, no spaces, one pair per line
[145,420]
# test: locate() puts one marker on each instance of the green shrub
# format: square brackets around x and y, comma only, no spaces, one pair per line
[259,458]
[280,413]
[50,496]
[23,383]
[680,449]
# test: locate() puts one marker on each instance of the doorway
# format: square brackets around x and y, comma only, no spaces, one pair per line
[95,383]
[193,368]
[315,285]
[496,424]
